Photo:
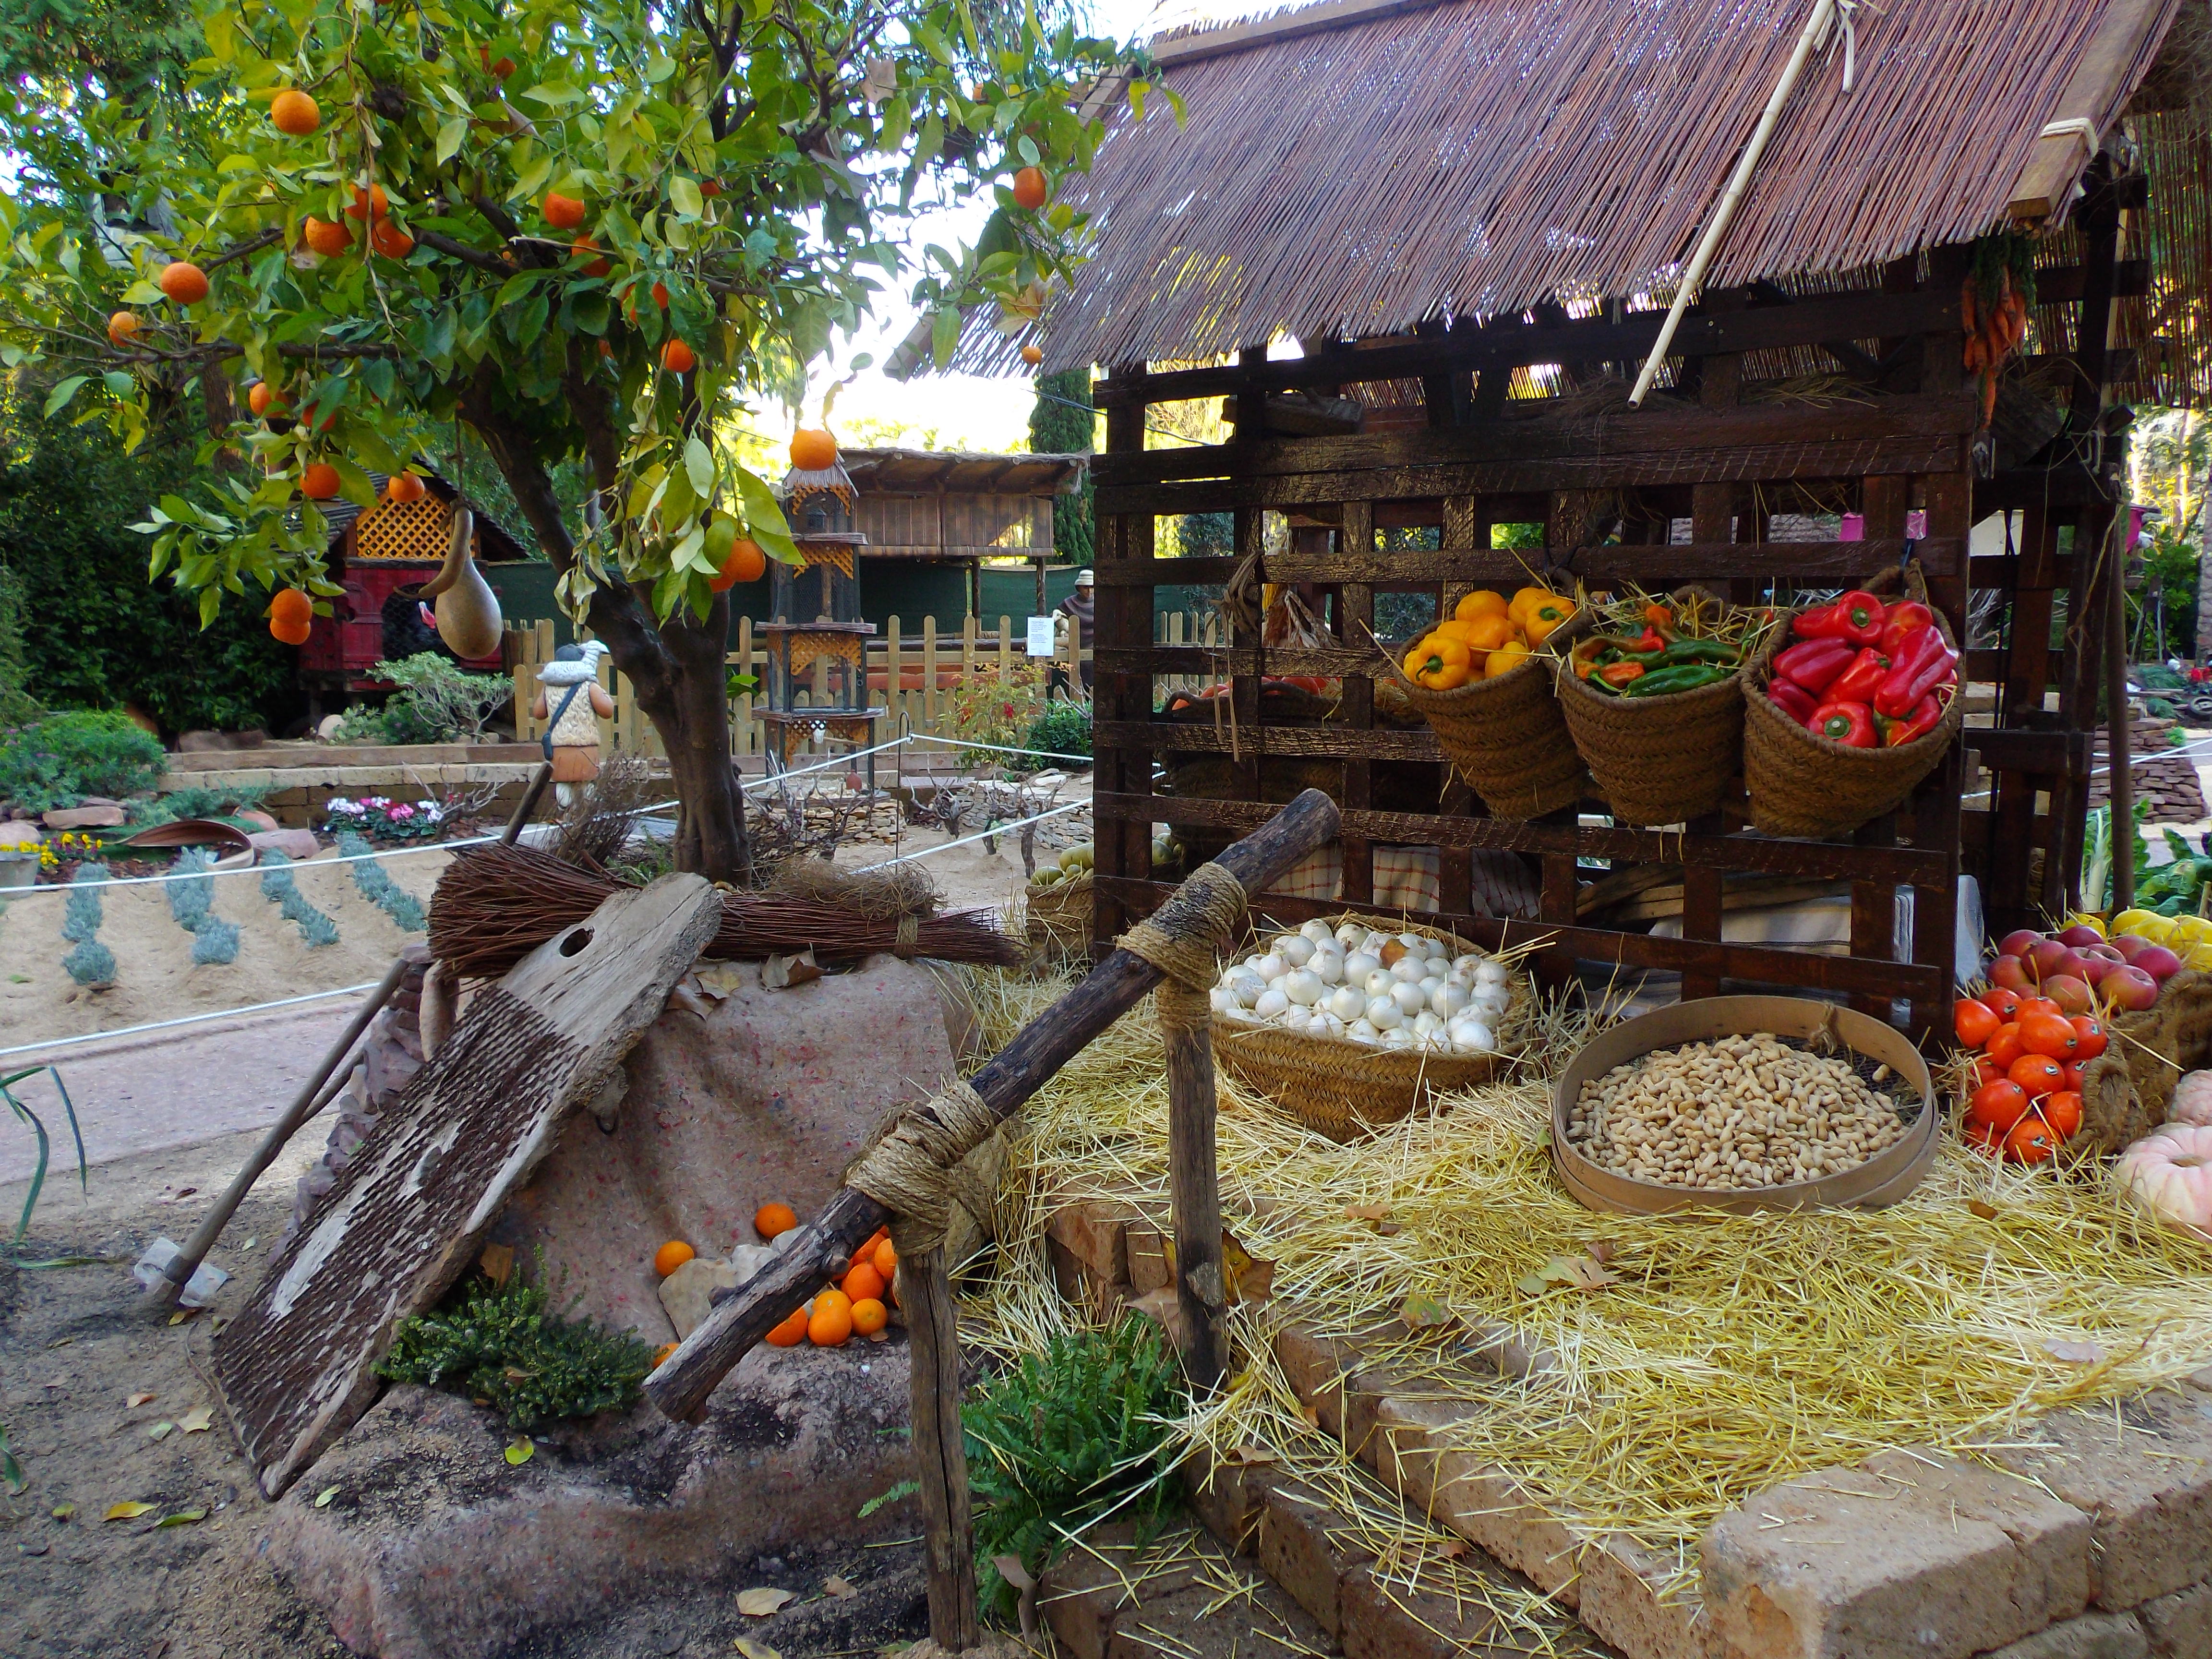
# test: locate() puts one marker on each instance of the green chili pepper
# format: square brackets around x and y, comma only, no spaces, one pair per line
[1682,677]
[1709,651]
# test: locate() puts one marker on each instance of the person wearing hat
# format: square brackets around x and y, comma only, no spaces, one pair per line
[1080,609]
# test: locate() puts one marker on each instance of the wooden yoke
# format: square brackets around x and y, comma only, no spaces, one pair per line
[824,1244]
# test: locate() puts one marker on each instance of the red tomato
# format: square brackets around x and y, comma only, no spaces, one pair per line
[2005,1047]
[1986,1070]
[1974,1023]
[2037,1005]
[2074,1069]
[2089,1038]
[2038,1074]
[2049,1035]
[2006,1004]
[1984,1138]
[1998,1105]
[2030,1141]
[2061,1113]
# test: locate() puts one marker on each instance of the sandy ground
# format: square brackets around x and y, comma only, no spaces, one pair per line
[155,978]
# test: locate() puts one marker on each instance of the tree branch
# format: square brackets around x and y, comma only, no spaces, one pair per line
[246,249]
[464,253]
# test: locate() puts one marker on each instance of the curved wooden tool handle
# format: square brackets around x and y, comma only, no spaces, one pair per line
[1017,1071]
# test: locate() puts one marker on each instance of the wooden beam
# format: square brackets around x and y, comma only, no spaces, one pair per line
[1178,50]
[2070,139]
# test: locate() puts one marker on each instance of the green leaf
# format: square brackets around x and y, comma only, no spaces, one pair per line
[518,1450]
[11,1471]
[683,196]
[58,399]
[181,1518]
[903,1489]
[322,1498]
[943,334]
[701,465]
[210,602]
[765,519]
[450,136]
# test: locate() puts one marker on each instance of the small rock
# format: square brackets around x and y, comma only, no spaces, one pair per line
[254,815]
[292,843]
[83,818]
[687,1292]
[19,833]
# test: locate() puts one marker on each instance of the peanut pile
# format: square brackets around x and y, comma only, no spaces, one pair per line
[1747,1111]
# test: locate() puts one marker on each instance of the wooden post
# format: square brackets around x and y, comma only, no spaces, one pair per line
[929,672]
[1194,1188]
[2121,790]
[947,1521]
[823,1244]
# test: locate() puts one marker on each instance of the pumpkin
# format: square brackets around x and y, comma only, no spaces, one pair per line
[2169,1174]
[2192,1099]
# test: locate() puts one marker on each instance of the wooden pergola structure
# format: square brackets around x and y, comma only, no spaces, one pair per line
[1820,371]
[961,508]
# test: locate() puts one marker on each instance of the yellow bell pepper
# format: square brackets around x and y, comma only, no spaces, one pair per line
[1526,598]
[1543,617]
[1440,663]
[1483,602]
[1456,628]
[1506,658]
[1489,633]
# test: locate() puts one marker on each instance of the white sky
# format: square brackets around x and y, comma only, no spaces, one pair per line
[968,411]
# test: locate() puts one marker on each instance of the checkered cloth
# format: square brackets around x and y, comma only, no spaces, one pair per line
[1406,878]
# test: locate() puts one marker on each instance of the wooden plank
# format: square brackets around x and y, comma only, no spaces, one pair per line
[1763,463]
[2056,284]
[940,1458]
[2092,92]
[1549,438]
[1292,26]
[1769,965]
[1194,1191]
[402,1221]
[1325,742]
[1829,861]
[1859,315]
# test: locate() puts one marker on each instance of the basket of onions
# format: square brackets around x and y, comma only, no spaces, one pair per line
[1351,1027]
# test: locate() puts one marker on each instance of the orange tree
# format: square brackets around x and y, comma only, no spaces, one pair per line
[581,231]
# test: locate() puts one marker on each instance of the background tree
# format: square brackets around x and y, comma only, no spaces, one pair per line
[1062,423]
[580,232]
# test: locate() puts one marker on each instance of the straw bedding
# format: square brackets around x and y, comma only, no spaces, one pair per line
[1729,1354]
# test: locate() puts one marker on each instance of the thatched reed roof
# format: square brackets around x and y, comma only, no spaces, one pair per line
[1350,179]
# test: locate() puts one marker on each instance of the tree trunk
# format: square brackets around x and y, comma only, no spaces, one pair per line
[676,670]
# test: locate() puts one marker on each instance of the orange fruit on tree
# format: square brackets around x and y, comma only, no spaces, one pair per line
[831,1326]
[184,282]
[710,188]
[315,423]
[774,1220]
[122,328]
[291,615]
[583,247]
[863,1283]
[746,563]
[292,111]
[369,203]
[403,488]
[262,397]
[1030,190]
[319,481]
[562,212]
[326,236]
[670,1257]
[678,358]
[1032,355]
[389,240]
[793,1331]
[886,1261]
[869,1316]
[814,450]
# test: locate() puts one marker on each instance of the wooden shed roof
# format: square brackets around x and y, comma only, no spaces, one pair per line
[960,471]
[1349,169]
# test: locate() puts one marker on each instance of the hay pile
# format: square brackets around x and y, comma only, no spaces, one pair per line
[1730,1354]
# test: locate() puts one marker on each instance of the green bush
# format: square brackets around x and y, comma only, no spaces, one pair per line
[196,802]
[437,701]
[81,751]
[1086,1426]
[507,1346]
[1064,728]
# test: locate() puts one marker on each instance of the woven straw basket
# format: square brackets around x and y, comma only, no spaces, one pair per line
[1656,760]
[1060,917]
[1507,738]
[1347,1091]
[1803,785]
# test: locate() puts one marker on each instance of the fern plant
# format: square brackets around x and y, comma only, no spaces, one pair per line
[507,1346]
[1068,1436]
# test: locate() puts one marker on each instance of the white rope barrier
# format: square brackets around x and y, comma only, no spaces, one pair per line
[995,748]
[186,1019]
[995,830]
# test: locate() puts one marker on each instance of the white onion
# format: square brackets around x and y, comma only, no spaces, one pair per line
[1326,1024]
[1359,965]
[1270,1004]
[1492,999]
[1437,968]
[1316,930]
[1471,1036]
[1400,1038]
[1409,970]
[1222,1002]
[1374,939]
[1293,1019]
[1420,944]
[1410,998]
[1301,988]
[1271,968]
[1295,949]
[1425,1022]
[1490,973]
[1246,986]
[1383,1015]
[1448,998]
[1346,1003]
[1360,1031]
[1348,933]
[1378,983]
[1329,964]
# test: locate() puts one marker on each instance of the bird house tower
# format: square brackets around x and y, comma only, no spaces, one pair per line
[818,688]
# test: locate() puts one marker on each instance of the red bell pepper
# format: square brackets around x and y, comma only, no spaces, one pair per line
[1813,664]
[1820,623]
[1650,640]
[1860,616]
[1792,699]
[1859,682]
[1915,676]
[1851,724]
[1917,724]
[1905,618]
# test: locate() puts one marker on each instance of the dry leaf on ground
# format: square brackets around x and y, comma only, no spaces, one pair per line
[760,1603]
[840,1587]
[198,1420]
[753,1650]
[133,1402]
[130,1510]
[181,1518]
[322,1498]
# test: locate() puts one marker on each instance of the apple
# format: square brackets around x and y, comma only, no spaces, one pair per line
[2103,950]
[2082,937]
[2072,994]
[2097,967]
[2129,944]
[2130,988]
[2019,943]
[2011,973]
[2048,956]
[2160,963]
